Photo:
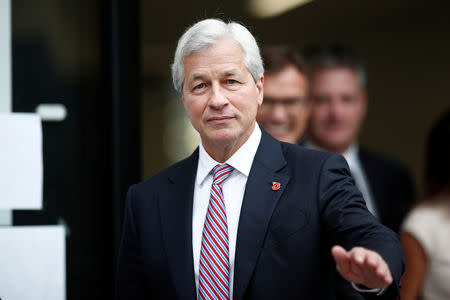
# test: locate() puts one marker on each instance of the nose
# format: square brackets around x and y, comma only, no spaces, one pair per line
[278,114]
[217,99]
[336,108]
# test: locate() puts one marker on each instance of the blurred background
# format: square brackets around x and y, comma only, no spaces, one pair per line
[108,62]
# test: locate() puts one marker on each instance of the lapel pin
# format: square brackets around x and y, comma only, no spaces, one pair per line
[275,186]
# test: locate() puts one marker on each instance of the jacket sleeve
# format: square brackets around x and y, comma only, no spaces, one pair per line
[349,223]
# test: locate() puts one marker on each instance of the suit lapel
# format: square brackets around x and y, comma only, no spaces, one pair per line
[258,205]
[176,222]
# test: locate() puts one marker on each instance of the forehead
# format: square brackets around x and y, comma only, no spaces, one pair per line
[223,56]
[289,81]
[335,79]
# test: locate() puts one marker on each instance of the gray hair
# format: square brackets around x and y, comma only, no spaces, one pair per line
[337,56]
[205,33]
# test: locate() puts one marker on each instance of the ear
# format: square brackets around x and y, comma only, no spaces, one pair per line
[182,95]
[183,101]
[259,86]
[364,104]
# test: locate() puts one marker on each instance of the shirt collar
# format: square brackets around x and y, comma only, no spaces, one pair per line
[241,160]
[351,155]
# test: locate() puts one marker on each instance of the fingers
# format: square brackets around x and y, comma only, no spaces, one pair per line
[342,259]
[357,261]
[374,264]
[373,261]
[362,266]
[343,263]
[362,255]
[339,253]
[383,272]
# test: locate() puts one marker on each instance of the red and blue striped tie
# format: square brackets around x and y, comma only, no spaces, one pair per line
[214,277]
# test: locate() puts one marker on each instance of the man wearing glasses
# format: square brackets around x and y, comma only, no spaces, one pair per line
[285,110]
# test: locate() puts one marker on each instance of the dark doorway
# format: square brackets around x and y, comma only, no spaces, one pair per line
[85,56]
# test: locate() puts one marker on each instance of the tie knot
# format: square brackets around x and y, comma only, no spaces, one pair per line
[221,173]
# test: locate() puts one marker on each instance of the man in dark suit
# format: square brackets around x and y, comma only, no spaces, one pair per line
[338,108]
[246,216]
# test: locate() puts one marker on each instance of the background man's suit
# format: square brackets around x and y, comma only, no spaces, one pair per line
[284,236]
[391,186]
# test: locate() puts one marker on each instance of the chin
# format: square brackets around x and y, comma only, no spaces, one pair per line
[278,135]
[338,145]
[284,139]
[223,137]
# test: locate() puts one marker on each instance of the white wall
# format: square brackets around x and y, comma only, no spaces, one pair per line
[5,56]
[5,75]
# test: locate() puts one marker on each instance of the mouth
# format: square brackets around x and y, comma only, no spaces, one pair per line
[219,119]
[335,125]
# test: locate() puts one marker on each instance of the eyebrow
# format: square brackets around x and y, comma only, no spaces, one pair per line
[196,77]
[231,72]
[201,76]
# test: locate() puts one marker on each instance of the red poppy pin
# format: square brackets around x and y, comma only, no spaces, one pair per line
[275,186]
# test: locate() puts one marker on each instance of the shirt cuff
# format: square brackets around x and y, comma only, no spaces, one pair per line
[362,289]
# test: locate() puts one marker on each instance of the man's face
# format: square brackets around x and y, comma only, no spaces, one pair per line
[285,110]
[338,108]
[220,96]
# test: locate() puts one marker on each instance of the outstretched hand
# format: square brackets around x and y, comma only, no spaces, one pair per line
[362,266]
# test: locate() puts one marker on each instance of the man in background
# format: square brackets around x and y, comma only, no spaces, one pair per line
[285,109]
[338,108]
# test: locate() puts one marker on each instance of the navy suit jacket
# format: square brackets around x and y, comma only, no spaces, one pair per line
[284,236]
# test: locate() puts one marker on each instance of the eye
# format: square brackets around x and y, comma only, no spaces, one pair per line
[348,98]
[231,81]
[199,86]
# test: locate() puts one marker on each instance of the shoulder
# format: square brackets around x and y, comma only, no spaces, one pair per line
[310,158]
[426,222]
[318,168]
[432,211]
[371,158]
[383,169]
[421,215]
[273,155]
[162,179]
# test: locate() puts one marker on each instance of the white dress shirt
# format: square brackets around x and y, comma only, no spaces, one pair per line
[233,193]
[357,170]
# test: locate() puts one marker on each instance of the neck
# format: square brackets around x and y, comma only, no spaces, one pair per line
[221,152]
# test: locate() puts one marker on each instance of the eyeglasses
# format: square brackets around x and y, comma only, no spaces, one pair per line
[286,103]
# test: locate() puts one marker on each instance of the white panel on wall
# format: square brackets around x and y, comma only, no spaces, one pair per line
[5,56]
[5,76]
[21,171]
[32,263]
